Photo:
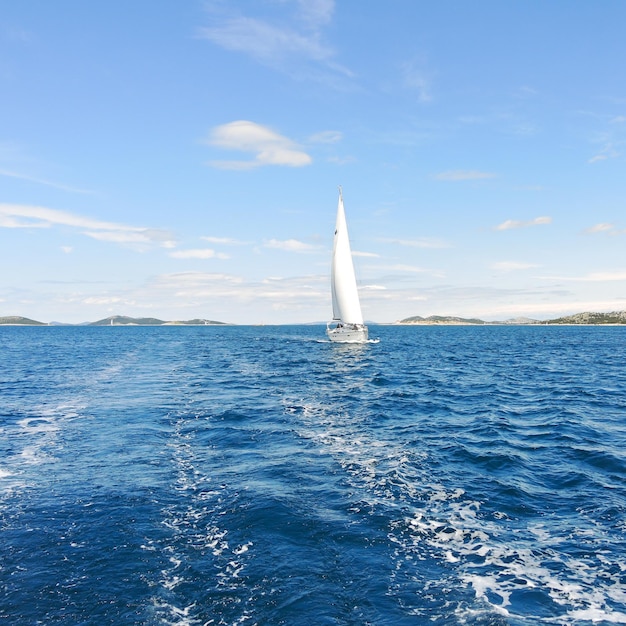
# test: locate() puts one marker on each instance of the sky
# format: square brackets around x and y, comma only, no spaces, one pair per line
[181,160]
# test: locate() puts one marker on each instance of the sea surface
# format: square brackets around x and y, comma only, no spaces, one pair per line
[262,475]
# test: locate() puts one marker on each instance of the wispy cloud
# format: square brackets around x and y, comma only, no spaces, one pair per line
[593,277]
[41,181]
[341,160]
[619,275]
[373,287]
[188,289]
[103,300]
[416,78]
[264,41]
[327,136]
[525,91]
[24,216]
[138,236]
[606,228]
[371,255]
[422,242]
[315,12]
[270,147]
[285,42]
[195,280]
[290,245]
[511,224]
[504,121]
[456,175]
[508,266]
[408,268]
[201,253]
[608,137]
[226,241]
[607,152]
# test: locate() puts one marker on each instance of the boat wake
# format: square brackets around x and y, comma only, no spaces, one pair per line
[440,537]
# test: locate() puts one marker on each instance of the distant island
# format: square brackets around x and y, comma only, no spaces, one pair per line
[595,319]
[114,320]
[589,318]
[16,320]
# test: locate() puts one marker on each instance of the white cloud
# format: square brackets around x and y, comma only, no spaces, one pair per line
[270,147]
[41,181]
[416,78]
[195,280]
[327,136]
[290,245]
[119,236]
[316,12]
[422,242]
[609,229]
[289,42]
[24,216]
[606,276]
[102,300]
[507,266]
[525,91]
[341,160]
[67,249]
[455,175]
[204,253]
[265,42]
[191,288]
[365,254]
[511,224]
[601,228]
[408,268]
[227,241]
[593,277]
[607,152]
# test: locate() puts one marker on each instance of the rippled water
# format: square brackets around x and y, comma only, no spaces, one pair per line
[261,475]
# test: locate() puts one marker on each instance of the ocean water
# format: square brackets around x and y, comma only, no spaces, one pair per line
[262,475]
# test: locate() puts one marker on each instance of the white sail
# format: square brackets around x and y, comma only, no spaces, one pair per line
[346,305]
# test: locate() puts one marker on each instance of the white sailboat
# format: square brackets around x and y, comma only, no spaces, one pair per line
[347,323]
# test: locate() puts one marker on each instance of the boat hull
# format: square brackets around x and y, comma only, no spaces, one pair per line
[348,333]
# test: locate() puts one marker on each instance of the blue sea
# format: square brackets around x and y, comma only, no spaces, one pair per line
[262,475]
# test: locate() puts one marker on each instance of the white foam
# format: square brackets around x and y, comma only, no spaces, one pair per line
[489,552]
[497,569]
[242,549]
[595,614]
[35,425]
[34,455]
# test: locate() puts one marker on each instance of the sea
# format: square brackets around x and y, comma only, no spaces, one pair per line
[241,475]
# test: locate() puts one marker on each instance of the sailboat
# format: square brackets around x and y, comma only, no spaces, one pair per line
[347,323]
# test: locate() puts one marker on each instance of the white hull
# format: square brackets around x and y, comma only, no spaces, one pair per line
[347,334]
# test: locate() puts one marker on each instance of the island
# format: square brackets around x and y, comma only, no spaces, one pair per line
[114,320]
[613,318]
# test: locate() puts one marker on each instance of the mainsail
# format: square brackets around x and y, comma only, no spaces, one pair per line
[346,305]
[347,325]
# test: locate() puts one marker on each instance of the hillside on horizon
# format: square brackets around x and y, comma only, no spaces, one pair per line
[114,320]
[587,318]
[614,318]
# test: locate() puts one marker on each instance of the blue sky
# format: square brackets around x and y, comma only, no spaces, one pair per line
[181,159]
